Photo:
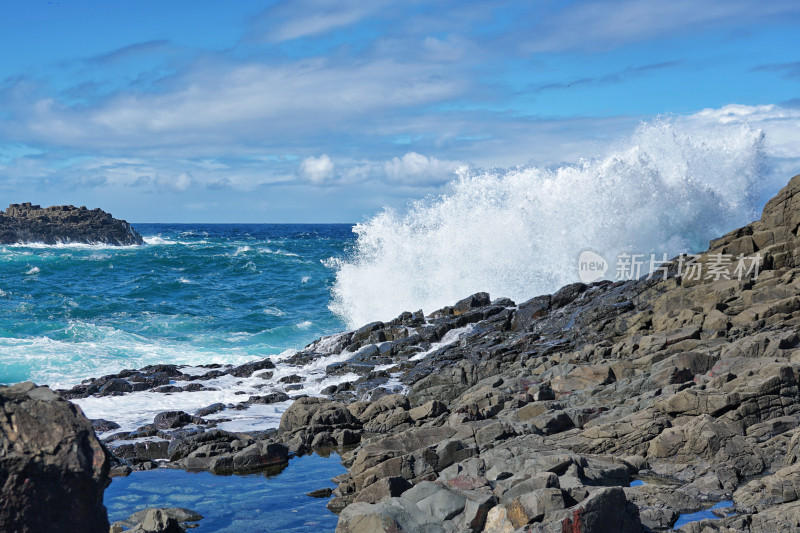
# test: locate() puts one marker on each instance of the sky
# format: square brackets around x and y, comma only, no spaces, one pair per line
[329,110]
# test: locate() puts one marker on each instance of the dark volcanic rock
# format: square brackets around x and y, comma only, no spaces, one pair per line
[172,419]
[246,370]
[26,223]
[102,425]
[53,470]
[211,409]
[146,450]
[320,493]
[273,397]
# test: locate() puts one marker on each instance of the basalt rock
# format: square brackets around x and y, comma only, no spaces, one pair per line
[26,223]
[53,470]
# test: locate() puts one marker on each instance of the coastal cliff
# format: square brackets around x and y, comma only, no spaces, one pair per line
[25,223]
[611,406]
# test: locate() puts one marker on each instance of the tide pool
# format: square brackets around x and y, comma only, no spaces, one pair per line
[235,504]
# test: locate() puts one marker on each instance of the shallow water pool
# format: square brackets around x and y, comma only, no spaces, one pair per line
[701,515]
[241,504]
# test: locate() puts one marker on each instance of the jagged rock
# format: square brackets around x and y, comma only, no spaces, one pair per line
[103,426]
[310,411]
[605,510]
[172,419]
[273,397]
[467,304]
[149,450]
[236,457]
[246,370]
[320,493]
[26,223]
[53,470]
[383,489]
[529,311]
[534,506]
[211,409]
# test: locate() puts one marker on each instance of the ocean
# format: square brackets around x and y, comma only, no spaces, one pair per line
[198,294]
[194,294]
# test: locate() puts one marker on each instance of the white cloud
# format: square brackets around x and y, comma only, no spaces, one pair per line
[317,170]
[737,113]
[181,183]
[217,106]
[304,18]
[598,26]
[417,168]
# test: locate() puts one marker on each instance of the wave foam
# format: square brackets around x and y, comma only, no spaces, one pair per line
[157,239]
[518,233]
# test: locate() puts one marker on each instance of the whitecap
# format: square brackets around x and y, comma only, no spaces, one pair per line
[278,252]
[32,271]
[158,240]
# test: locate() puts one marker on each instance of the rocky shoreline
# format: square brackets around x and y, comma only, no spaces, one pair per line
[609,407]
[61,224]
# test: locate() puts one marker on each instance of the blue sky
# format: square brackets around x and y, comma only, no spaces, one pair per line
[326,111]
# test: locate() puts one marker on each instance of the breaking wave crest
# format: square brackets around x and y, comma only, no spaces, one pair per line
[518,232]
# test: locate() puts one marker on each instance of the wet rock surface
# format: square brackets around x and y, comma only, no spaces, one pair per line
[26,223]
[494,416]
[158,520]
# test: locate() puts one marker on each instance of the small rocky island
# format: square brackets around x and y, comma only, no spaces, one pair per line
[26,223]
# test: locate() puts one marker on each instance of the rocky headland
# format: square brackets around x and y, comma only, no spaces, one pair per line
[608,407]
[25,223]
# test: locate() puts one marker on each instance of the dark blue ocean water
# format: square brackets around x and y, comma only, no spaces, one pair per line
[195,294]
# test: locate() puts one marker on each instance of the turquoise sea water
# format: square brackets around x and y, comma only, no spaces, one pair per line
[194,294]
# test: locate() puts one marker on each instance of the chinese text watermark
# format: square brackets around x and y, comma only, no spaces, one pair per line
[715,267]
